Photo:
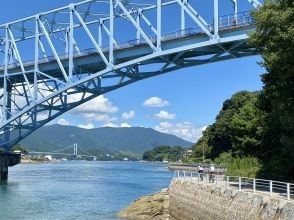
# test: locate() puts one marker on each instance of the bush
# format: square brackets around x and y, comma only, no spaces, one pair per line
[239,166]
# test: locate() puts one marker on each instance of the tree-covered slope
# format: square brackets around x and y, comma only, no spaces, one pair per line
[234,140]
[237,128]
[254,133]
[134,140]
[166,153]
[274,39]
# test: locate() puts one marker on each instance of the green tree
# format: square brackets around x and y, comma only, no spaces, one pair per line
[161,153]
[237,127]
[18,147]
[234,140]
[201,147]
[274,39]
[247,128]
[239,166]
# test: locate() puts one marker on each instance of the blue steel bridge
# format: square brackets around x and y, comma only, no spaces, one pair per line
[57,60]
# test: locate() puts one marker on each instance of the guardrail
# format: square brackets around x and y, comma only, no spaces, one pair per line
[226,22]
[270,187]
[193,167]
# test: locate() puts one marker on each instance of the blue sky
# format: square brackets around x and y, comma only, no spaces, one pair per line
[180,103]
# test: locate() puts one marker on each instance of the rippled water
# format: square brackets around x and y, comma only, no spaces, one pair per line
[77,190]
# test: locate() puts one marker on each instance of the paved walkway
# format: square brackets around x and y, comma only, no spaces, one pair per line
[245,186]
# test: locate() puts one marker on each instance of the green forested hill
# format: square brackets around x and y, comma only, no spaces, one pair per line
[237,127]
[238,140]
[254,133]
[234,140]
[160,153]
[133,141]
[274,39]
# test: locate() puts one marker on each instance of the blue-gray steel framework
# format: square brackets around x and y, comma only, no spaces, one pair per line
[62,76]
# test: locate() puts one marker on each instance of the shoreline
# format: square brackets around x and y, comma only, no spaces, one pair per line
[188,199]
[153,206]
[29,161]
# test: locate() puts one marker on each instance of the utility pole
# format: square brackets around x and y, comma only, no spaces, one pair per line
[202,152]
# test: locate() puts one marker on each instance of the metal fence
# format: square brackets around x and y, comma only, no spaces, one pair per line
[193,167]
[269,187]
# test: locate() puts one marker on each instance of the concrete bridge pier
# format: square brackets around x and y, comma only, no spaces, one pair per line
[3,173]
[7,159]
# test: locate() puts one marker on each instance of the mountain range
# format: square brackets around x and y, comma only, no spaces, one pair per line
[118,142]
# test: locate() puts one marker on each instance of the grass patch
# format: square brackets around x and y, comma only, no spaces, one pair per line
[239,166]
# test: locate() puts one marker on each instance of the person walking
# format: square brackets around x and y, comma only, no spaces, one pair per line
[211,173]
[200,171]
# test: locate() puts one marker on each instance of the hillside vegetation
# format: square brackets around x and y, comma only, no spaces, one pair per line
[166,153]
[120,142]
[234,140]
[253,134]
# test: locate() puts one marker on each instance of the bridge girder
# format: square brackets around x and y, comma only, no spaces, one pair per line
[63,75]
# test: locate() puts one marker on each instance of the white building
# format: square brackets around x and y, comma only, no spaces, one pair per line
[48,157]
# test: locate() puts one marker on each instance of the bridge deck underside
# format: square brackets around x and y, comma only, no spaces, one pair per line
[90,61]
[90,64]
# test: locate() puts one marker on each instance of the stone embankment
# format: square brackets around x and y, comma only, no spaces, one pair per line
[188,200]
[148,207]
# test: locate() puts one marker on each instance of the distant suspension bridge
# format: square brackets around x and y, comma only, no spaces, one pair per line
[63,152]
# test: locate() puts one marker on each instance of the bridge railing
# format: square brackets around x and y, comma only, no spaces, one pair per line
[269,187]
[225,22]
[236,20]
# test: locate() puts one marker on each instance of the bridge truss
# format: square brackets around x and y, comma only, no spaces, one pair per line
[75,53]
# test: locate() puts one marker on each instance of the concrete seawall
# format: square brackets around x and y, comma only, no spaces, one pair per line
[189,200]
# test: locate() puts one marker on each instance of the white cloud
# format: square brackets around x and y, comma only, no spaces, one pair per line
[155,102]
[111,125]
[42,115]
[165,115]
[125,125]
[89,116]
[165,125]
[86,126]
[128,115]
[184,130]
[105,118]
[62,121]
[99,104]
[99,117]
[98,109]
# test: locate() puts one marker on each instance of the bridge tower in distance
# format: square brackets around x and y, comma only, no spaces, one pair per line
[75,150]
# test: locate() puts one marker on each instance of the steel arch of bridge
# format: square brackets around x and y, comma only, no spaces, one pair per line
[64,73]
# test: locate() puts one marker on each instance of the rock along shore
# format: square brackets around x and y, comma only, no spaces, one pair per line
[153,206]
[40,161]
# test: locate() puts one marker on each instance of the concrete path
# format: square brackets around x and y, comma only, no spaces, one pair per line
[245,186]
